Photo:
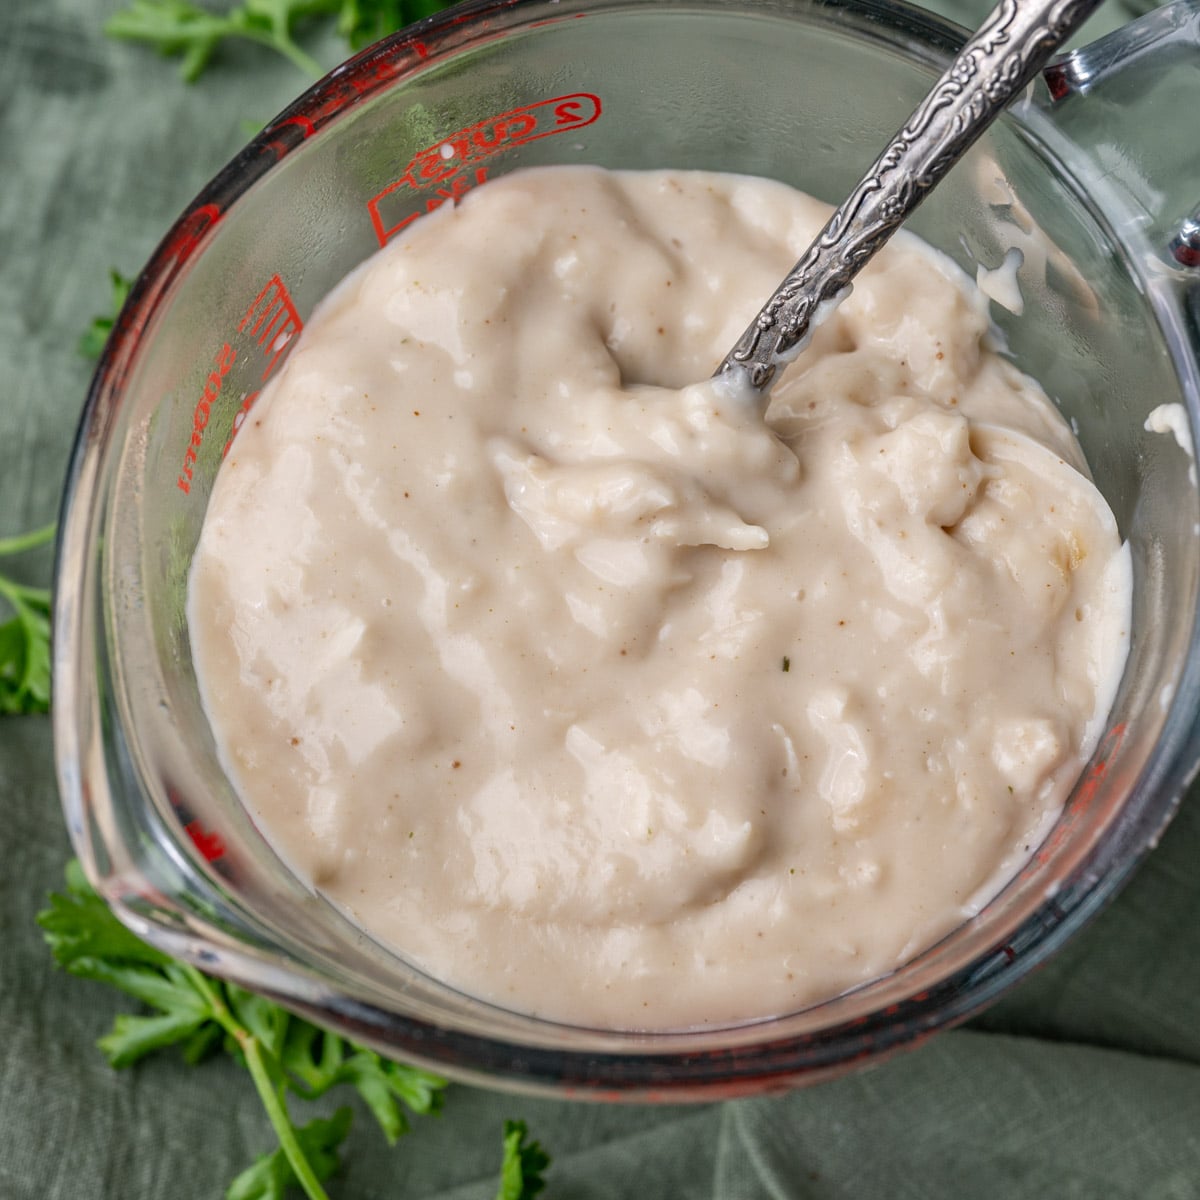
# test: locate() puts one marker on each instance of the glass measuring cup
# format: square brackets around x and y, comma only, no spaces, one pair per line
[1079,179]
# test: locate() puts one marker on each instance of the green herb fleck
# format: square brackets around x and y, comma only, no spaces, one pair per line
[787,663]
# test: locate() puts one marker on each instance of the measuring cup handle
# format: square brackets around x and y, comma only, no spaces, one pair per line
[1130,100]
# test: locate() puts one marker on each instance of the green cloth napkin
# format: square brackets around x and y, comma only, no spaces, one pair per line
[1084,1082]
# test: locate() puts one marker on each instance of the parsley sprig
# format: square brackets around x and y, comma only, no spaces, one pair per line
[25,636]
[91,344]
[181,28]
[285,1055]
[524,1161]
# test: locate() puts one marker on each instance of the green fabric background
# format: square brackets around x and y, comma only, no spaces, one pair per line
[1084,1082]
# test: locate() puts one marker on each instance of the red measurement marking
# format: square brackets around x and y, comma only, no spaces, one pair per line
[273,321]
[222,365]
[453,190]
[339,91]
[1090,785]
[185,237]
[239,420]
[306,127]
[446,165]
[209,844]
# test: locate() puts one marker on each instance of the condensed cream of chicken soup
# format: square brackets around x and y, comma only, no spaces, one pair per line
[594,693]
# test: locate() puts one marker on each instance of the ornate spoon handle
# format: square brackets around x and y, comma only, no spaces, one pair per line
[1006,53]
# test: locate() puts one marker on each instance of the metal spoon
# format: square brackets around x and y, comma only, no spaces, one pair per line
[1009,49]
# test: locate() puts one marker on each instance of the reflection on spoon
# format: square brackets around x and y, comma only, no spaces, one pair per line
[1006,53]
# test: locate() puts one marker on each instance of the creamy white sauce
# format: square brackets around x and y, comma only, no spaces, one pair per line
[597,696]
[1001,284]
[1173,419]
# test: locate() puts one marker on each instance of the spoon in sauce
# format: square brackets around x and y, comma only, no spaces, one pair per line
[1009,49]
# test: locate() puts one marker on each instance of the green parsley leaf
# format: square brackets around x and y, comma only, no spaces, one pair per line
[87,939]
[91,345]
[283,1053]
[179,28]
[202,1043]
[170,989]
[186,30]
[263,1018]
[524,1162]
[311,1058]
[362,22]
[271,1175]
[78,925]
[383,1084]
[25,636]
[133,1037]
[314,1060]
